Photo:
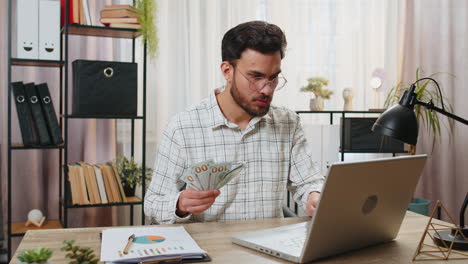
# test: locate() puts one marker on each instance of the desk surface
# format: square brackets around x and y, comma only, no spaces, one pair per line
[215,239]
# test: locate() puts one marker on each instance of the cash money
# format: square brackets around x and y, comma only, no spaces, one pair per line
[207,175]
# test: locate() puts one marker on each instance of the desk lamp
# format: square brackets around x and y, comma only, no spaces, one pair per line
[399,122]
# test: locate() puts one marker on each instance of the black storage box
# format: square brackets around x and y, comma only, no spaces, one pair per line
[359,137]
[104,88]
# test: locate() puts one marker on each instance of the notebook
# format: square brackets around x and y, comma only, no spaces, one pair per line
[149,243]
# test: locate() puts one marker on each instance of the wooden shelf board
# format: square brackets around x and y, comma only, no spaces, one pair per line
[20,228]
[21,146]
[97,31]
[37,63]
[133,200]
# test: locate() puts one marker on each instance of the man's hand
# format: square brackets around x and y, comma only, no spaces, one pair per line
[312,202]
[195,202]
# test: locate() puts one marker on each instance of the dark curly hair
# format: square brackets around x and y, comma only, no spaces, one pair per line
[257,35]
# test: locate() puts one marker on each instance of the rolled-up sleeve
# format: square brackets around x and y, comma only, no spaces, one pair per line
[162,195]
[305,176]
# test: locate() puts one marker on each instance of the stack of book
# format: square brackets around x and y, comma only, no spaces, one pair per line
[95,184]
[121,16]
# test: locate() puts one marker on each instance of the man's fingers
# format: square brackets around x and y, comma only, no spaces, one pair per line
[311,210]
[194,194]
[196,210]
[197,202]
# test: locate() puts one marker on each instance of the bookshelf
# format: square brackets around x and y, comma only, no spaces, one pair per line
[18,229]
[99,32]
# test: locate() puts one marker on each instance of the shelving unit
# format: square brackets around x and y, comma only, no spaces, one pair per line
[18,229]
[342,116]
[102,32]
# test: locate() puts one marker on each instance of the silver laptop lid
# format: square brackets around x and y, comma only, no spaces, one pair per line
[362,203]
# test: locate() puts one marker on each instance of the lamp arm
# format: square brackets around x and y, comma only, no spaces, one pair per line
[462,212]
[431,106]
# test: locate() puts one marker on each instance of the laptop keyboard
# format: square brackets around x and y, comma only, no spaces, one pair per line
[294,242]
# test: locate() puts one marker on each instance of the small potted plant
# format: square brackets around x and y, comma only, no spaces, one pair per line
[39,255]
[316,85]
[79,255]
[131,174]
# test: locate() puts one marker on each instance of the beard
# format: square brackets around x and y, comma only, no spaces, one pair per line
[248,106]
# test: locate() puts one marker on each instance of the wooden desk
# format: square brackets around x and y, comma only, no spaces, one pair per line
[215,239]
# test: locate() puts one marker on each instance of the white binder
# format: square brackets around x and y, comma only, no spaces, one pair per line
[49,30]
[27,37]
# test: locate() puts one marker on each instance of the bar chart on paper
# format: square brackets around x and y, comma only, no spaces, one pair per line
[149,239]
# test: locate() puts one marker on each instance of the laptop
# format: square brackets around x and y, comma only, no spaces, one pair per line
[362,204]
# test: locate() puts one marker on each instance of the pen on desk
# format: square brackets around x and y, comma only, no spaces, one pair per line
[129,243]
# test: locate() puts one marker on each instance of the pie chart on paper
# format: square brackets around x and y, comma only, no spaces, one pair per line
[148,239]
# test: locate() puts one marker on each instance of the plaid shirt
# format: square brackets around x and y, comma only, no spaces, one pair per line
[273,148]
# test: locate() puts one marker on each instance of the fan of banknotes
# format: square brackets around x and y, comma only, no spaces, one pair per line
[209,175]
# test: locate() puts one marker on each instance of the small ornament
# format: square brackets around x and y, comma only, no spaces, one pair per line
[348,99]
[35,217]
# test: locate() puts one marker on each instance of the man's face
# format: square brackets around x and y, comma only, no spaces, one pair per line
[252,65]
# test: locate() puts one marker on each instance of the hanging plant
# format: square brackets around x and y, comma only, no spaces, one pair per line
[146,10]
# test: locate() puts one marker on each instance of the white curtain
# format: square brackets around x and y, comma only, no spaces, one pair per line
[436,41]
[343,41]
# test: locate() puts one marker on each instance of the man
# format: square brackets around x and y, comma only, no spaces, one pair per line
[237,124]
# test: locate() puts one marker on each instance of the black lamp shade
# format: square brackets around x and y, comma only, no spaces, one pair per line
[398,122]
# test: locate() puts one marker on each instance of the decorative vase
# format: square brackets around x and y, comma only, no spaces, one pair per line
[348,99]
[129,191]
[316,104]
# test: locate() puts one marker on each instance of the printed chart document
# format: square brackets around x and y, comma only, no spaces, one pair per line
[149,243]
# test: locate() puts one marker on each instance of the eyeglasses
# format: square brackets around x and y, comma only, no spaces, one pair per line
[258,83]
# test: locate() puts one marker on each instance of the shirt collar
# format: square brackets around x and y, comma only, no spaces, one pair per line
[218,118]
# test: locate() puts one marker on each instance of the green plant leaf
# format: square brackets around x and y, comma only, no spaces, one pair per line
[146,10]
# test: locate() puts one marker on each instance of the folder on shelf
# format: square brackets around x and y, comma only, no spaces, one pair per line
[49,30]
[24,114]
[100,184]
[38,116]
[49,113]
[27,36]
